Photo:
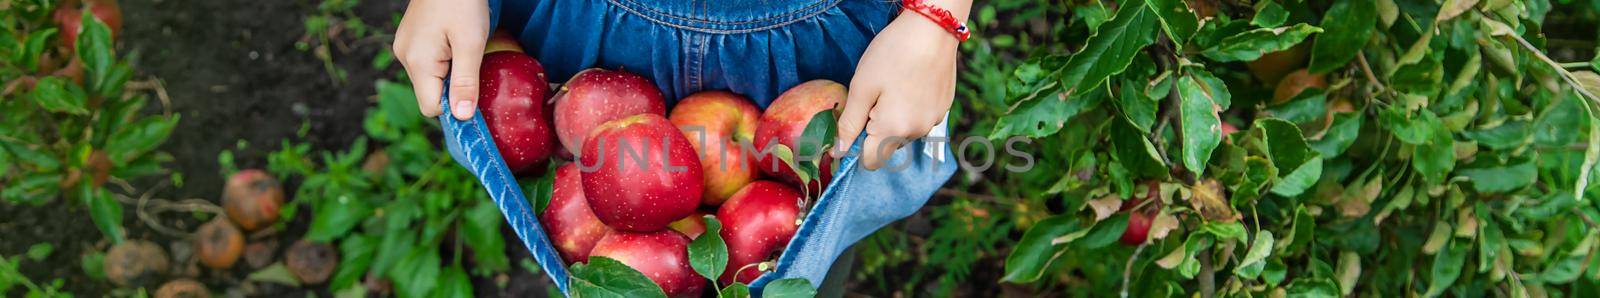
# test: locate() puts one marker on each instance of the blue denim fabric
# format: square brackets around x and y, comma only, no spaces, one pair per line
[754,48]
[687,46]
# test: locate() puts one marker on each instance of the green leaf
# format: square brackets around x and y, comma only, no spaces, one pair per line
[139,137]
[39,251]
[1508,135]
[736,290]
[56,94]
[1202,130]
[95,48]
[1110,50]
[1502,178]
[1226,230]
[1255,260]
[417,274]
[1043,117]
[1036,250]
[276,273]
[606,277]
[1138,109]
[1218,90]
[1250,45]
[105,211]
[1135,151]
[1105,232]
[819,133]
[707,253]
[399,105]
[789,288]
[1435,159]
[356,254]
[1269,14]
[1447,267]
[1348,24]
[1307,107]
[454,283]
[34,47]
[1177,20]
[337,216]
[481,230]
[1340,135]
[1301,179]
[1312,287]
[1410,130]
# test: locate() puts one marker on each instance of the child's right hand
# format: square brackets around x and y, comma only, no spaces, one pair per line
[436,37]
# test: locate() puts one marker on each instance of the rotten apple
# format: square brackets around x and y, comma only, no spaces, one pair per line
[218,244]
[595,96]
[511,95]
[784,122]
[135,263]
[252,198]
[662,256]
[182,288]
[757,223]
[639,173]
[718,124]
[311,262]
[571,224]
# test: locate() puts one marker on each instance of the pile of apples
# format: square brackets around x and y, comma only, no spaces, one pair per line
[696,161]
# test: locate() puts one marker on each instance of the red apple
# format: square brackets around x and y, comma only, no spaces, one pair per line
[691,226]
[502,41]
[251,199]
[663,256]
[512,97]
[1138,228]
[785,121]
[639,173]
[69,15]
[595,96]
[718,123]
[571,224]
[757,223]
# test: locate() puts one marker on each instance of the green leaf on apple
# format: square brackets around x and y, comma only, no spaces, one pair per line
[818,136]
[736,290]
[606,277]
[708,254]
[1250,45]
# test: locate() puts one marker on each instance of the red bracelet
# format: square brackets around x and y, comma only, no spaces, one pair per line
[938,15]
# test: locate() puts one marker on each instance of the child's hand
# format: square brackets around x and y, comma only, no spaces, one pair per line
[902,87]
[436,37]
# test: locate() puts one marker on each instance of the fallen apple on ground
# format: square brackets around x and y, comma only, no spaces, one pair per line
[757,223]
[661,255]
[511,96]
[135,263]
[784,122]
[572,225]
[218,244]
[640,173]
[718,124]
[595,96]
[251,199]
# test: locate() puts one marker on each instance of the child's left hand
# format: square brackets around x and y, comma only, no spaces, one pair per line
[902,88]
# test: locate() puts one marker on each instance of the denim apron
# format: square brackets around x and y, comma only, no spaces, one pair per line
[750,47]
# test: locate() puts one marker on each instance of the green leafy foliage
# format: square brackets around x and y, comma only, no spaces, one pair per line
[70,126]
[1449,144]
[390,199]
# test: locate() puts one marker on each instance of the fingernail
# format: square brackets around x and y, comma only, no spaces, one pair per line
[464,108]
